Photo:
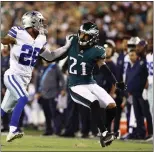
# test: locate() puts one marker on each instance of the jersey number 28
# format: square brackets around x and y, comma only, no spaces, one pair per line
[29,55]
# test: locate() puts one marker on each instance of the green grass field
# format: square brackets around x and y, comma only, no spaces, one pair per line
[35,142]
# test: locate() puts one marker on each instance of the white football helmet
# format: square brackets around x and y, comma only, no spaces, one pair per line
[33,19]
[133,42]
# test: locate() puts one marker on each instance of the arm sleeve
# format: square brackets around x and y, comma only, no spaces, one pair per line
[13,32]
[58,54]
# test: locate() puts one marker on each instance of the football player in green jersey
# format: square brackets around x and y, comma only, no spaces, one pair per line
[83,54]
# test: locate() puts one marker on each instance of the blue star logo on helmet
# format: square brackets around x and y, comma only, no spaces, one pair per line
[33,13]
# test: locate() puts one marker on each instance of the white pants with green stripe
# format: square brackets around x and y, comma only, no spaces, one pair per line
[16,87]
[88,93]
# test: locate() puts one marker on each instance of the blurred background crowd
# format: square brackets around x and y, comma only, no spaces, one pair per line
[126,32]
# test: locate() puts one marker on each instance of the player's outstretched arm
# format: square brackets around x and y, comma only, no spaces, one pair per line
[57,54]
[8,40]
[105,69]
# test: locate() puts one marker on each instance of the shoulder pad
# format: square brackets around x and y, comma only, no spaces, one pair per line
[14,31]
[99,47]
[100,52]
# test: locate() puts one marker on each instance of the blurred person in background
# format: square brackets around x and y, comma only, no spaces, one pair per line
[121,51]
[137,75]
[145,50]
[149,58]
[51,85]
[41,66]
[131,123]
[102,35]
[60,38]
[132,26]
[142,48]
[103,79]
[131,44]
[71,125]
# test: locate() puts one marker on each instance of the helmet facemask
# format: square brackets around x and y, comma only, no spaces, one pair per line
[38,23]
[88,35]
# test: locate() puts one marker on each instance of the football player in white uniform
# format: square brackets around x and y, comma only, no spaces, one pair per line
[26,43]
[149,58]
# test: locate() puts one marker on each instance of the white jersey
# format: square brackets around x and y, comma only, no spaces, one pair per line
[149,59]
[24,53]
[126,61]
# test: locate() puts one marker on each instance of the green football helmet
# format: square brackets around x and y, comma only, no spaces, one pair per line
[88,34]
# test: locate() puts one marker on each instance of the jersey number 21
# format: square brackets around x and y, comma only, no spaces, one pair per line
[83,65]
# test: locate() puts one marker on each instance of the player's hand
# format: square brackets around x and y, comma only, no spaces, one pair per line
[63,93]
[37,96]
[69,39]
[121,86]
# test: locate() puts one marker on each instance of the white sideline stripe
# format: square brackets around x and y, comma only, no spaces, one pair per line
[11,79]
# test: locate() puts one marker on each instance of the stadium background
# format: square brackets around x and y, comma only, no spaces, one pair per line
[115,20]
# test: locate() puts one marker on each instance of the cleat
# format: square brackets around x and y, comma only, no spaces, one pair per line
[106,138]
[116,135]
[149,139]
[12,136]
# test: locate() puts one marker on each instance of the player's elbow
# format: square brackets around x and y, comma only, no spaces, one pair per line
[8,40]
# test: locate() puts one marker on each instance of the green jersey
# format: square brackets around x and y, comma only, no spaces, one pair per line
[81,62]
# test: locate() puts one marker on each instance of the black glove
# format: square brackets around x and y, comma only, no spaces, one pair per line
[121,86]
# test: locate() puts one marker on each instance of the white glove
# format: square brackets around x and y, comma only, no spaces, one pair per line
[69,39]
